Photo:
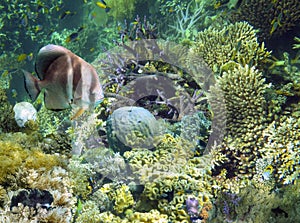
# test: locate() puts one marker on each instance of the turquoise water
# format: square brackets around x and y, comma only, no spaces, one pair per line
[157,111]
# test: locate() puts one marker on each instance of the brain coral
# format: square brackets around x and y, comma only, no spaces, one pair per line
[235,42]
[129,127]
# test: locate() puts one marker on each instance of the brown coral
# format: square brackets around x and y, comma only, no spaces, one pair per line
[272,18]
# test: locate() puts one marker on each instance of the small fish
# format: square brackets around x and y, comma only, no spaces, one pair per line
[67,80]
[220,3]
[14,93]
[24,21]
[30,57]
[92,15]
[25,56]
[38,28]
[66,13]
[103,5]
[74,36]
[22,57]
[266,175]
[276,22]
[71,38]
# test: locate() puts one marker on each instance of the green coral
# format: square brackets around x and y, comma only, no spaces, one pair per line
[170,174]
[121,10]
[131,127]
[7,120]
[235,42]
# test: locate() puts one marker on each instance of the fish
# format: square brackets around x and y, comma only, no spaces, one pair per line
[22,57]
[66,13]
[102,4]
[67,80]
[74,36]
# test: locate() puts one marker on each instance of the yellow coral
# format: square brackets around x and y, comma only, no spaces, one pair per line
[123,199]
[235,42]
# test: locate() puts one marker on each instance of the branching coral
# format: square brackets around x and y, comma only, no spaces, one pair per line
[185,25]
[272,18]
[243,89]
[282,144]
[235,42]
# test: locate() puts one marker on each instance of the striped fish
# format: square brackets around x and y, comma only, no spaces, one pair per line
[67,79]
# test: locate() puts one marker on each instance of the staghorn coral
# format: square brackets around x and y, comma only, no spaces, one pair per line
[235,42]
[243,89]
[272,18]
[282,142]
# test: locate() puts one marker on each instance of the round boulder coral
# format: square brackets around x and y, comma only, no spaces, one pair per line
[131,127]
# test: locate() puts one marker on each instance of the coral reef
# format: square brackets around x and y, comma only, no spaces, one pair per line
[272,18]
[235,42]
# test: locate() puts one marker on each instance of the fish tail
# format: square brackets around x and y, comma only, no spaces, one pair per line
[31,85]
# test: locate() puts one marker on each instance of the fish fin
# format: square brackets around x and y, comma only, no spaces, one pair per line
[31,85]
[78,113]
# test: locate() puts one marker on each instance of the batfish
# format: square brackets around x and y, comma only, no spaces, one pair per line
[66,78]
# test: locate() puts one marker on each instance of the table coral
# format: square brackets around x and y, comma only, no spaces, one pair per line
[235,42]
